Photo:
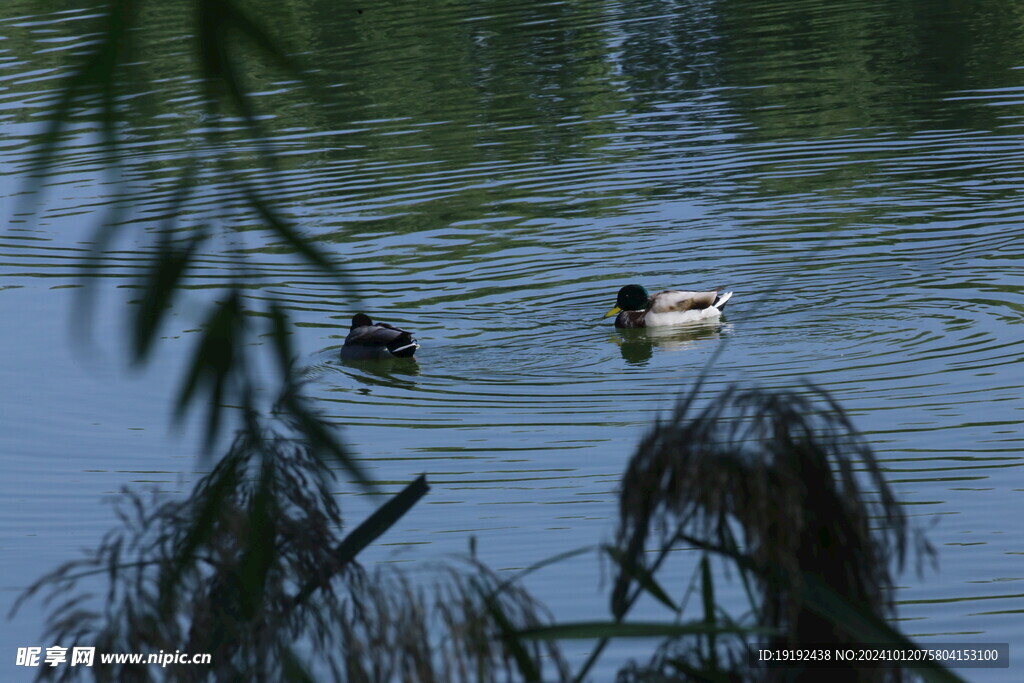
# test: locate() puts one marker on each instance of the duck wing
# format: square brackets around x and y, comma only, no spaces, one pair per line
[676,301]
[378,334]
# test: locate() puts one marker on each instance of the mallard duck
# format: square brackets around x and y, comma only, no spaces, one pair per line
[368,340]
[634,307]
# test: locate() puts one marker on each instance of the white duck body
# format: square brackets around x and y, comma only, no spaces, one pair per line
[674,307]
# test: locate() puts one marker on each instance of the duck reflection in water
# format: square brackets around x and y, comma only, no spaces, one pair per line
[395,373]
[637,345]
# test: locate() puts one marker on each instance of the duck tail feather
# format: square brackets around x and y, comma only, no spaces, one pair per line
[403,346]
[722,300]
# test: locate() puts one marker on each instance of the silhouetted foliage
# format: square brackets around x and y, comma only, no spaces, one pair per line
[782,489]
[218,571]
[251,569]
[223,370]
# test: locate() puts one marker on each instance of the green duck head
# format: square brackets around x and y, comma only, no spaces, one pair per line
[630,298]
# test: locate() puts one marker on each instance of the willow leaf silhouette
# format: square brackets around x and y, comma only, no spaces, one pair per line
[159,286]
[218,364]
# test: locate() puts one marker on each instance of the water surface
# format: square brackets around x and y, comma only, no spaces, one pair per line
[490,174]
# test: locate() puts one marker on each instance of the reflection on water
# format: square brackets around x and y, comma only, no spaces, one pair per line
[853,170]
[638,345]
[394,373]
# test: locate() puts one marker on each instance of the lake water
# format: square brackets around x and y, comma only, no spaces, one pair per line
[490,174]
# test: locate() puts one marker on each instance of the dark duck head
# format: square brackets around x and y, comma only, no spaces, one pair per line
[630,303]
